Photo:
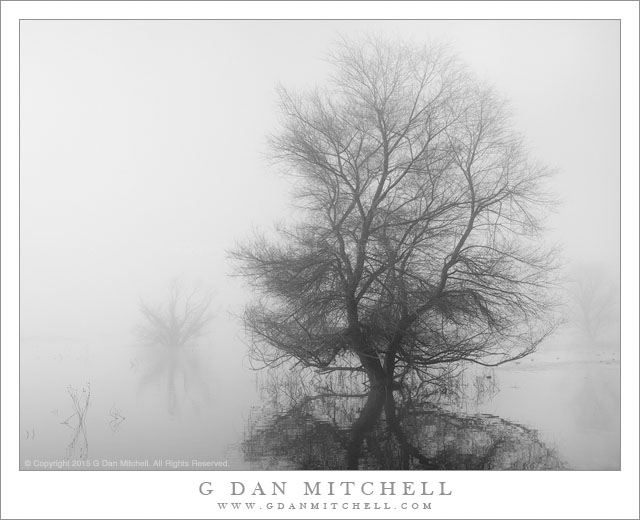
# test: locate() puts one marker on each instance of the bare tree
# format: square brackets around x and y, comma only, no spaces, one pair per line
[419,243]
[181,320]
[596,302]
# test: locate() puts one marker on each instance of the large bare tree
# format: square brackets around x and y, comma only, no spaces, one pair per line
[418,244]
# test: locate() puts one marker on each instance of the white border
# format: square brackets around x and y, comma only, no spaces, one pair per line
[175,495]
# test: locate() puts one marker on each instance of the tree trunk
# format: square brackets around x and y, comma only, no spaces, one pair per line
[364,423]
[407,449]
[378,389]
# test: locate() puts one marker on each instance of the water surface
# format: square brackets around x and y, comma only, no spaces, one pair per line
[108,404]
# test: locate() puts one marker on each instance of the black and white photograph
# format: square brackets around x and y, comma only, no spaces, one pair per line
[306,245]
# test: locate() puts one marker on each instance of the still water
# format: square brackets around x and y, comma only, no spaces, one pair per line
[106,404]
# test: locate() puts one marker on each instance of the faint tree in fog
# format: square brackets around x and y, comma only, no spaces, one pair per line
[418,245]
[180,320]
[596,302]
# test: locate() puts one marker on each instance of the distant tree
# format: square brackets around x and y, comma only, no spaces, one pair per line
[418,245]
[182,319]
[596,301]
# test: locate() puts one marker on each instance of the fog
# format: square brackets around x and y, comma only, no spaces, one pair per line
[144,159]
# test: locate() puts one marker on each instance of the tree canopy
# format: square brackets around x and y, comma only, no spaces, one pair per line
[182,320]
[419,239]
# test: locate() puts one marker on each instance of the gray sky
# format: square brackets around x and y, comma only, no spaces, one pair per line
[143,145]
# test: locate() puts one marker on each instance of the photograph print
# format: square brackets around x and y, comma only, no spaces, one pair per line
[320,245]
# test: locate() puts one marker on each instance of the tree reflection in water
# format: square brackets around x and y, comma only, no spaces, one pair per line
[179,374]
[323,431]
[78,447]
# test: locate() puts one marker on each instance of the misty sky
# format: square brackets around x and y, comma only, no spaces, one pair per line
[143,146]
